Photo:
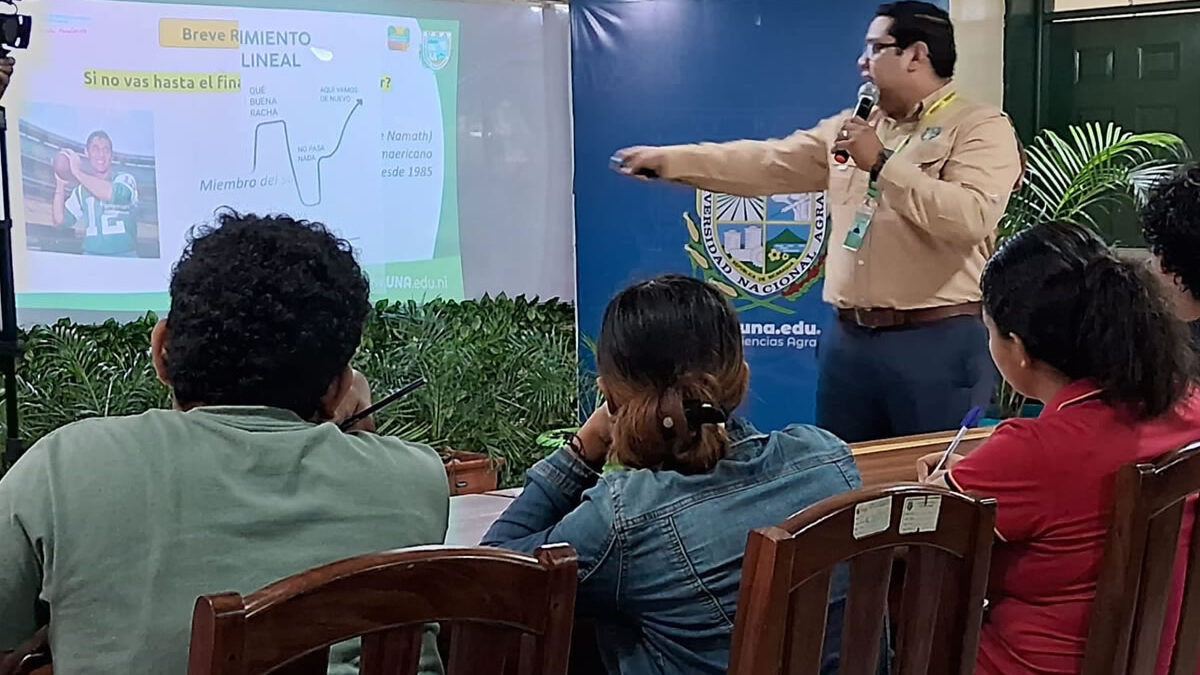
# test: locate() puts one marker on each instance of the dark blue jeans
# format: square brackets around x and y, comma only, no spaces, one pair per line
[881,383]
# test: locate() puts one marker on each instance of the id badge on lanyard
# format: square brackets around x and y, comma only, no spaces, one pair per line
[866,211]
[862,220]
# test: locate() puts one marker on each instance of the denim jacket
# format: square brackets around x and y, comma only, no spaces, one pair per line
[660,553]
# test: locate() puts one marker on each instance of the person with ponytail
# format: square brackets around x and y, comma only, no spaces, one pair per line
[1093,338]
[660,488]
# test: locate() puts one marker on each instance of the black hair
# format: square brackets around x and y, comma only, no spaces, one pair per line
[265,311]
[98,135]
[670,352]
[1090,315]
[914,22]
[1171,226]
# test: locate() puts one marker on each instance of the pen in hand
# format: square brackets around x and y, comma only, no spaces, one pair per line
[384,402]
[968,421]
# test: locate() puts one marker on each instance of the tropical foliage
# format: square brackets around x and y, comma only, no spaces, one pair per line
[501,371]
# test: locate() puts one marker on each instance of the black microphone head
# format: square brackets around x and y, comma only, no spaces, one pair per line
[868,90]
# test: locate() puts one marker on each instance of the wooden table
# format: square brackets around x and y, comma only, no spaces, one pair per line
[894,460]
[886,461]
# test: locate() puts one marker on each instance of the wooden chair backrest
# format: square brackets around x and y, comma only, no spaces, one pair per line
[1133,592]
[506,613]
[780,623]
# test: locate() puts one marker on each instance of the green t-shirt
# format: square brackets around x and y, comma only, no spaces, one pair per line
[116,525]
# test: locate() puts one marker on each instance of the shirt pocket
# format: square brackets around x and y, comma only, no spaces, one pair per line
[931,156]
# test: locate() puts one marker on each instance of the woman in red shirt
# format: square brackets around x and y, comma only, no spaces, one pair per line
[1092,337]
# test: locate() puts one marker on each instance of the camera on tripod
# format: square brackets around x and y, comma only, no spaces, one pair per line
[14,29]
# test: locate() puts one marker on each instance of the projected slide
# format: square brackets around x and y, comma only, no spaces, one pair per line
[139,120]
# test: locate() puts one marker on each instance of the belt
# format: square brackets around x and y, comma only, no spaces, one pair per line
[886,317]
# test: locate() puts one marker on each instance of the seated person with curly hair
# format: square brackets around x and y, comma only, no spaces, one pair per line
[1171,226]
[1092,337]
[111,527]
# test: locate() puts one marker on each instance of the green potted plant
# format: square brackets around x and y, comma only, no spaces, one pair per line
[1096,169]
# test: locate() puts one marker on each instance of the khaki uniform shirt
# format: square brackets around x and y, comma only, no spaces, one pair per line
[941,196]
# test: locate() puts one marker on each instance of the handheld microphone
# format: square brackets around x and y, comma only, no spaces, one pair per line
[868,95]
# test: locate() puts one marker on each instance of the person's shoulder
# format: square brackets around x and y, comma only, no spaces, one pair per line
[973,113]
[392,451]
[808,439]
[806,433]
[966,104]
[97,443]
[1013,439]
[1021,430]
[387,469]
[87,432]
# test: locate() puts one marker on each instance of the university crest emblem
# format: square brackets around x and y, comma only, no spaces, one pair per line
[759,251]
[435,48]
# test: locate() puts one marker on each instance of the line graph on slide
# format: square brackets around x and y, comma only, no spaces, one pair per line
[291,158]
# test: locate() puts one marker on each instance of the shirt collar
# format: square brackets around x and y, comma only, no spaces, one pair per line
[251,418]
[929,100]
[1075,392]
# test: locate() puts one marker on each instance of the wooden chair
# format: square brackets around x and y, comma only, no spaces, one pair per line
[506,613]
[1134,587]
[31,658]
[780,623]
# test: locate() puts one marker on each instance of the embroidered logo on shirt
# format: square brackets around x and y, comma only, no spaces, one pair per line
[931,133]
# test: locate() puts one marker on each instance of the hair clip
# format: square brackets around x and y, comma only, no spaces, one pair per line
[699,413]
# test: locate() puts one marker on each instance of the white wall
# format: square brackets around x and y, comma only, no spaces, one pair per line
[979,33]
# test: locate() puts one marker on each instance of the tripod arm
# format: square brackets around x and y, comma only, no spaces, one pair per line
[10,343]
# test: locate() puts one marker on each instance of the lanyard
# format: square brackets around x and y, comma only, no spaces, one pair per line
[864,214]
[936,106]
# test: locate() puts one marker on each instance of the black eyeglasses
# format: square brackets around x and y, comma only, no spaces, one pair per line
[873,49]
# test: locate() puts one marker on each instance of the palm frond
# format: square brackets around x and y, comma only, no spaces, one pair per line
[1082,177]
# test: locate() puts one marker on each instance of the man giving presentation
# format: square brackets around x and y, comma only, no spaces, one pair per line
[101,204]
[914,213]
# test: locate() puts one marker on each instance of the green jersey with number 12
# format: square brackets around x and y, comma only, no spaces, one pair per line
[110,227]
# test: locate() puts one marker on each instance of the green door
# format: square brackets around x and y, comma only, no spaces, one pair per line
[1141,72]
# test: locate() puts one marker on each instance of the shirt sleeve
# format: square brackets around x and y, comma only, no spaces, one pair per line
[124,190]
[964,204]
[73,207]
[1011,467]
[563,503]
[24,512]
[797,163]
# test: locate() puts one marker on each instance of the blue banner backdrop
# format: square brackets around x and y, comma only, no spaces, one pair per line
[655,72]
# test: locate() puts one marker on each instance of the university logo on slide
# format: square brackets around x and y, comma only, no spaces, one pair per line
[435,48]
[762,250]
[397,38]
